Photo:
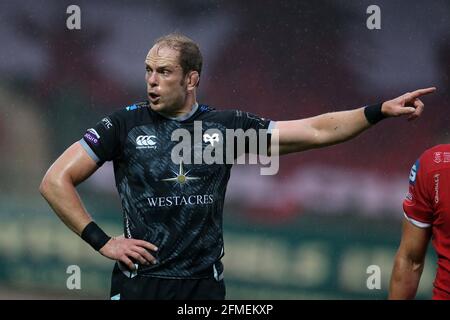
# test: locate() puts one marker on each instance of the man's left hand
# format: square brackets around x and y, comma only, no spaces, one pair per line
[406,104]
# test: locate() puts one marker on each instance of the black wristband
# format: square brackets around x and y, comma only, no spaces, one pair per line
[94,235]
[373,113]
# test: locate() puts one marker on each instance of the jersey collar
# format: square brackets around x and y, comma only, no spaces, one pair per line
[184,116]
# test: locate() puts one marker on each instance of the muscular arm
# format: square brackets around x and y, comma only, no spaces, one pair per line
[409,261]
[320,131]
[58,186]
[336,127]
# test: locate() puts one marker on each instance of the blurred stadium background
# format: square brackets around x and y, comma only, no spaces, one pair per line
[309,232]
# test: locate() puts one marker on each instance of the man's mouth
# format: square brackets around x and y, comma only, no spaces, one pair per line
[153,97]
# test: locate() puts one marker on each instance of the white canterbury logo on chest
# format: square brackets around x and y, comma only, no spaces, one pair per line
[146,142]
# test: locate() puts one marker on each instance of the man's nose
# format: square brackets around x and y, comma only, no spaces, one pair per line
[152,79]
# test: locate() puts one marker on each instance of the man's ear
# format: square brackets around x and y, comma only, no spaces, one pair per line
[193,79]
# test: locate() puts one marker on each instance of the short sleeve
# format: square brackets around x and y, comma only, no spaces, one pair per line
[102,141]
[251,124]
[417,205]
[246,120]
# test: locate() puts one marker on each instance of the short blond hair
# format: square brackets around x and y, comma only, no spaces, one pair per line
[190,58]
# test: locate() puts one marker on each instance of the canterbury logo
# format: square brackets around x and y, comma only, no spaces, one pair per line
[211,138]
[145,140]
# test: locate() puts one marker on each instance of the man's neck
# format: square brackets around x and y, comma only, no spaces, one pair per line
[182,114]
[190,103]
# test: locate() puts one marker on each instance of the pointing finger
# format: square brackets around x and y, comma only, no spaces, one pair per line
[420,92]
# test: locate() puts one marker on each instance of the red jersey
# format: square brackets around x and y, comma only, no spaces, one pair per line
[427,205]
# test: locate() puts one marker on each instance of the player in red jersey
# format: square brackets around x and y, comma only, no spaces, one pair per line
[427,216]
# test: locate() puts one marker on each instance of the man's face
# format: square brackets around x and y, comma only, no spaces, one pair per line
[166,87]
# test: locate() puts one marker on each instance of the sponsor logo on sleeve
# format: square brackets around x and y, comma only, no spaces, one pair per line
[409,196]
[258,120]
[92,136]
[413,173]
[94,132]
[107,123]
[409,199]
[436,188]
